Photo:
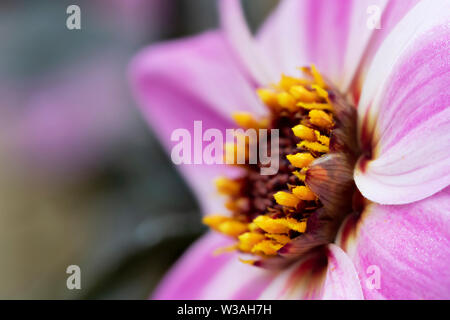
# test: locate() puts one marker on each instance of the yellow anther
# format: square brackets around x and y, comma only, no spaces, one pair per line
[313,146]
[250,262]
[267,247]
[299,175]
[232,228]
[315,106]
[253,227]
[280,238]
[299,226]
[270,225]
[302,94]
[321,92]
[286,199]
[248,240]
[226,249]
[303,132]
[322,139]
[287,101]
[227,186]
[269,97]
[317,77]
[321,119]
[246,120]
[300,160]
[304,193]
[287,82]
[214,221]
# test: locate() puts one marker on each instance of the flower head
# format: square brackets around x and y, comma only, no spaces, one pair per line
[362,187]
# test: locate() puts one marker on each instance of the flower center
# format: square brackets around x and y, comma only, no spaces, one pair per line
[281,217]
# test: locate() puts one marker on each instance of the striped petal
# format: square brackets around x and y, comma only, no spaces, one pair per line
[325,274]
[402,251]
[404,111]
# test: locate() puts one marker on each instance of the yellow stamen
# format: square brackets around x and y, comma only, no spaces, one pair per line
[248,240]
[321,92]
[214,221]
[317,77]
[227,186]
[304,193]
[303,94]
[269,97]
[230,152]
[271,225]
[313,146]
[287,82]
[315,106]
[300,160]
[246,120]
[299,175]
[286,199]
[299,226]
[280,238]
[232,228]
[267,247]
[223,250]
[287,101]
[321,119]
[322,139]
[250,262]
[304,133]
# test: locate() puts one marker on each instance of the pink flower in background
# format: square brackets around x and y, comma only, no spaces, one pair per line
[397,76]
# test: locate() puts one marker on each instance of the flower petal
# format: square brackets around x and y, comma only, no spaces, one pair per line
[200,274]
[407,245]
[235,27]
[332,34]
[327,273]
[404,112]
[196,79]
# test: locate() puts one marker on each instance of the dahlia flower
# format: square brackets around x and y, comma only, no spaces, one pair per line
[360,206]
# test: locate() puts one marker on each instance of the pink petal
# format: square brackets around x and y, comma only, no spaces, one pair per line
[179,82]
[409,244]
[394,11]
[404,114]
[199,274]
[256,61]
[325,274]
[332,34]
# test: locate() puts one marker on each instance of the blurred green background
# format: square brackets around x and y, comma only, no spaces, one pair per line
[82,179]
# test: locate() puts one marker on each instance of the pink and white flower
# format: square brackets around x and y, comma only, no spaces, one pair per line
[397,76]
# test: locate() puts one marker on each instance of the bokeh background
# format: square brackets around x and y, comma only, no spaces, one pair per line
[82,178]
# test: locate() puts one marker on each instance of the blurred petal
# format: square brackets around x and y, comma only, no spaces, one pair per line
[325,274]
[234,24]
[404,112]
[199,274]
[409,244]
[332,34]
[195,79]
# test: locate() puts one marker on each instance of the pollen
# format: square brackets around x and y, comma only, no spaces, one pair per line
[271,225]
[313,146]
[304,132]
[267,213]
[287,101]
[246,120]
[300,160]
[321,119]
[286,199]
[267,247]
[303,94]
[248,240]
[304,193]
[227,186]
